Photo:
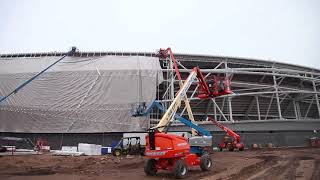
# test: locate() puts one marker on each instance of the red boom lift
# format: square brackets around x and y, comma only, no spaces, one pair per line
[172,152]
[221,86]
[226,142]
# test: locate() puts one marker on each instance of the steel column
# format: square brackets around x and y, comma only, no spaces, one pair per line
[269,107]
[309,107]
[295,109]
[277,95]
[215,109]
[214,102]
[230,109]
[258,107]
[316,95]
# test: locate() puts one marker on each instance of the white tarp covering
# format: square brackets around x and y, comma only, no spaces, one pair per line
[79,94]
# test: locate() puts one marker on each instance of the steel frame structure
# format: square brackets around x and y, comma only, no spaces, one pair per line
[263,90]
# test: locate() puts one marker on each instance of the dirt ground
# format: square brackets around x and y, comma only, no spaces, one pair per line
[298,163]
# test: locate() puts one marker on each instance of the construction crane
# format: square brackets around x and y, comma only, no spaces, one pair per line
[226,143]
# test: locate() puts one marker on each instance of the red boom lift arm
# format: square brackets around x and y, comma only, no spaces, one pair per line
[231,133]
[236,143]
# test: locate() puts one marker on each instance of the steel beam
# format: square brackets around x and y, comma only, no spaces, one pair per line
[250,105]
[235,71]
[295,109]
[214,102]
[230,110]
[269,107]
[258,107]
[297,104]
[316,96]
[222,106]
[309,107]
[215,109]
[277,96]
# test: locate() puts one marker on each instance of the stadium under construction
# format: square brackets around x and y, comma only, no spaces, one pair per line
[89,97]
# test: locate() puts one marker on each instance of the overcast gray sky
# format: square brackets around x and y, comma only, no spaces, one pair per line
[280,30]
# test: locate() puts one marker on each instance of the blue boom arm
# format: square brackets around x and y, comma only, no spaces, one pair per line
[181,119]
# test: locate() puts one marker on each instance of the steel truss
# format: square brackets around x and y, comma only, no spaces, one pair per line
[280,93]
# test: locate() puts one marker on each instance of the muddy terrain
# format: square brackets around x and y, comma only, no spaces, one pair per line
[299,163]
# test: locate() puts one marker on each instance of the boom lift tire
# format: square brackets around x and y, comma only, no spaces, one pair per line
[125,152]
[150,167]
[205,162]
[142,152]
[117,152]
[180,169]
[230,147]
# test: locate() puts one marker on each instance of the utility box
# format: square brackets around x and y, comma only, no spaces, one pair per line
[89,149]
[202,141]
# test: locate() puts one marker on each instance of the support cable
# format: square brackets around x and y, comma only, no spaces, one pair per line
[70,53]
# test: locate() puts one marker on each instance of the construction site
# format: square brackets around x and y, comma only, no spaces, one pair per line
[157,115]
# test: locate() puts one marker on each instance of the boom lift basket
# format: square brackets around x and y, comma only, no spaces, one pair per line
[221,85]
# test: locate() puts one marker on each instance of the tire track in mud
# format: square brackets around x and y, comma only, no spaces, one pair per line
[277,170]
[198,174]
[248,171]
[290,169]
[316,172]
[33,172]
[285,168]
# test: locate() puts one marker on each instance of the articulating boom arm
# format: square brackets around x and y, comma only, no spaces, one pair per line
[227,130]
[170,113]
[185,121]
[176,103]
[203,83]
[164,53]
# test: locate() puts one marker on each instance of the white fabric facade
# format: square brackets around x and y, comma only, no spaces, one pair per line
[77,95]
